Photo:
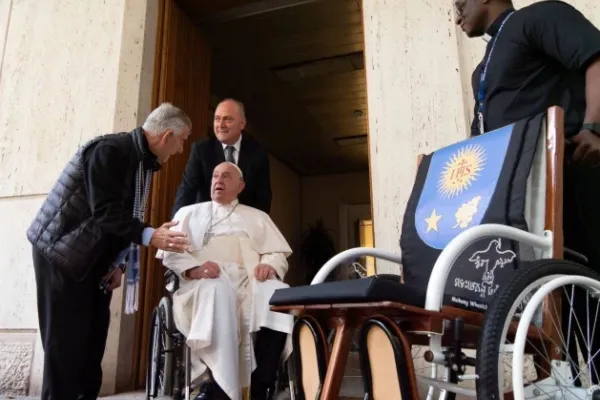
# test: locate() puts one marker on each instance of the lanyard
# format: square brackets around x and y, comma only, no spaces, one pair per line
[481,90]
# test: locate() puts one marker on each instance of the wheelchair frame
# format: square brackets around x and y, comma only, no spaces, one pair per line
[432,321]
[168,344]
[166,341]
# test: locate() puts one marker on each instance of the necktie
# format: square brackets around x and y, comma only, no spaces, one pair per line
[229,154]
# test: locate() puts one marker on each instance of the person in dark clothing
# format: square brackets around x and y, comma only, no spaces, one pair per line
[540,56]
[89,225]
[228,144]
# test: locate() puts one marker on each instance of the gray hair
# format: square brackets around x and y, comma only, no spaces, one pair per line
[167,117]
[238,103]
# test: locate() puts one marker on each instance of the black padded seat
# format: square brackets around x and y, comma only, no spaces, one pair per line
[371,289]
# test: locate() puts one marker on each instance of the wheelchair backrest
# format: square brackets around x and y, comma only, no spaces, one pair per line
[499,177]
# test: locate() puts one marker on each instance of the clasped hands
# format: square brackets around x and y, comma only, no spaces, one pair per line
[211,270]
[163,238]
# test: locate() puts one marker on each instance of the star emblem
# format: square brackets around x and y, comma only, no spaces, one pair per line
[432,221]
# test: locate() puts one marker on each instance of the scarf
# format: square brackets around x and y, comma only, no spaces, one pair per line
[129,258]
[139,208]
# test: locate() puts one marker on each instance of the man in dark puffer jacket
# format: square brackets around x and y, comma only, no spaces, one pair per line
[85,227]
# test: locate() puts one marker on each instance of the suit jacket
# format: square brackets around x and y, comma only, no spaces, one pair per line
[206,154]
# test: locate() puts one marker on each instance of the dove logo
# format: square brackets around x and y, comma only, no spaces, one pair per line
[489,259]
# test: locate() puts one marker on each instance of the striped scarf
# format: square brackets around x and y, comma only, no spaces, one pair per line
[130,256]
[139,208]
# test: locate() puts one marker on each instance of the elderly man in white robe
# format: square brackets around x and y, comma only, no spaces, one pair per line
[236,260]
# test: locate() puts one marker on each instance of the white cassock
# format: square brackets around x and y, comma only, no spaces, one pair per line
[218,316]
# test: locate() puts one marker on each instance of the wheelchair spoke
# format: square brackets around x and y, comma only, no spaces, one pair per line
[576,379]
[553,352]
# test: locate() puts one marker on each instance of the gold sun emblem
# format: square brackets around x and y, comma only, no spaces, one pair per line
[461,170]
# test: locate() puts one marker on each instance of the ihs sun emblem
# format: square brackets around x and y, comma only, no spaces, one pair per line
[461,170]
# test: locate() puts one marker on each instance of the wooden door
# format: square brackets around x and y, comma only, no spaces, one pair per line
[182,77]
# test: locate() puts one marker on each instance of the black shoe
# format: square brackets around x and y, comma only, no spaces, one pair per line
[205,391]
[260,392]
[209,390]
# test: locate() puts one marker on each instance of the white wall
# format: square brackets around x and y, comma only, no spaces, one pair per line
[286,210]
[322,196]
[69,70]
[419,67]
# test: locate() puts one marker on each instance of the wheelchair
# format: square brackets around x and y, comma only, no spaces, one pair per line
[168,369]
[472,293]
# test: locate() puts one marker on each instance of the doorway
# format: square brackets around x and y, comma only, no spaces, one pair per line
[356,230]
[298,67]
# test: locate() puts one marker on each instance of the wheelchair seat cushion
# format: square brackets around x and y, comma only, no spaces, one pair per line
[371,289]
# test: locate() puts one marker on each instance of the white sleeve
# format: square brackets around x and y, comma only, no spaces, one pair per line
[276,260]
[179,262]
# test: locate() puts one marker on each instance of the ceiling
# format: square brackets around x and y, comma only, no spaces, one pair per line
[298,67]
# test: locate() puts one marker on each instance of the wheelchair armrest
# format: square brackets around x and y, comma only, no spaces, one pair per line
[171,281]
[169,273]
[352,254]
[572,255]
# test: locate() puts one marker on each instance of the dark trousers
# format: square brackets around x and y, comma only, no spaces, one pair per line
[268,348]
[582,234]
[74,319]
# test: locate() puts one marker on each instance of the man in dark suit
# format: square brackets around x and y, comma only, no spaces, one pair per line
[229,144]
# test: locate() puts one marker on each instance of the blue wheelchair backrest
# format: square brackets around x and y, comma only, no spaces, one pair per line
[480,180]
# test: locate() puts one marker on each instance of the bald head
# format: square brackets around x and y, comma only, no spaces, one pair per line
[230,120]
[227,183]
[240,106]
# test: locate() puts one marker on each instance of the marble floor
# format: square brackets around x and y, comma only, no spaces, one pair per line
[124,396]
[351,387]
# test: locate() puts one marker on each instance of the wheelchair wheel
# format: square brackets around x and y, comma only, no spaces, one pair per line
[283,384]
[551,360]
[159,372]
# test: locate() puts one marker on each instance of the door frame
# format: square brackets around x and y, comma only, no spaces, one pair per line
[140,333]
[175,81]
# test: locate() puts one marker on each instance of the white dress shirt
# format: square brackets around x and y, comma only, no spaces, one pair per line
[236,152]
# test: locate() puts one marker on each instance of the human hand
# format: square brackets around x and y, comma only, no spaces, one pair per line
[262,272]
[587,149]
[113,279]
[165,239]
[208,270]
